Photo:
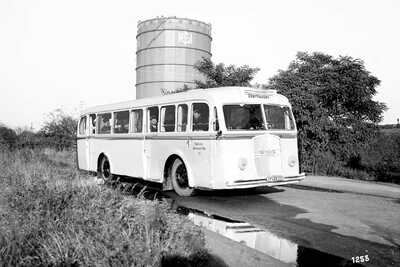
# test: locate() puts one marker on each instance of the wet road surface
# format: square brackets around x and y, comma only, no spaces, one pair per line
[296,225]
[326,226]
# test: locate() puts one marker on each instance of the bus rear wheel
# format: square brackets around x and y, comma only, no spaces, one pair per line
[104,171]
[180,181]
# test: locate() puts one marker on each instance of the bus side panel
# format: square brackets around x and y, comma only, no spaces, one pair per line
[82,150]
[199,155]
[127,156]
[94,152]
[195,154]
[153,154]
[157,152]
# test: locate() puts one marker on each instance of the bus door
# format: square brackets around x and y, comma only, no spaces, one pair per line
[137,165]
[92,160]
[83,144]
[152,127]
[199,144]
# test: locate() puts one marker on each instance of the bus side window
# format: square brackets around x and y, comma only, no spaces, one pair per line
[200,117]
[168,118]
[92,123]
[137,120]
[82,126]
[121,122]
[152,119]
[215,123]
[104,124]
[182,117]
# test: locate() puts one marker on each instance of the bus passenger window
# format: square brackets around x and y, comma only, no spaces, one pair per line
[152,119]
[104,124]
[92,123]
[82,126]
[216,123]
[200,117]
[168,119]
[137,120]
[182,117]
[121,122]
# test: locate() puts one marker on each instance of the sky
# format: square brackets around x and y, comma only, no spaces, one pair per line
[79,53]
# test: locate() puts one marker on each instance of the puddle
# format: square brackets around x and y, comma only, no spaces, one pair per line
[265,241]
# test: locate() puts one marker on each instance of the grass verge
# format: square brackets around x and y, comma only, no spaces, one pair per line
[50,215]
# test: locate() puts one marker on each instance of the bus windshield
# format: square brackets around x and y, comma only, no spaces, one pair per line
[278,118]
[243,117]
[249,117]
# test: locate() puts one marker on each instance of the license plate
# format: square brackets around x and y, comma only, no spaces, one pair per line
[274,179]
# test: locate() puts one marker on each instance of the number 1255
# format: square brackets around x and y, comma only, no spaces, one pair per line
[359,259]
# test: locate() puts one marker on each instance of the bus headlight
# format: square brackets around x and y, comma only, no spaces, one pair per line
[292,161]
[242,164]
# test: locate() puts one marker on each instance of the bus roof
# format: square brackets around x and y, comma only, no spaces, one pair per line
[218,95]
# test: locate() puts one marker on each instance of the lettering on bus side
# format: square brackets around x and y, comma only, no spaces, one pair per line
[198,146]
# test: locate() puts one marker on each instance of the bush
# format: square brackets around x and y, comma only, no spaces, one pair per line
[8,138]
[59,131]
[55,216]
[382,158]
[327,164]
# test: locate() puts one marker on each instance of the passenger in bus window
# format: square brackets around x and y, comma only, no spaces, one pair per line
[255,123]
[199,123]
[153,124]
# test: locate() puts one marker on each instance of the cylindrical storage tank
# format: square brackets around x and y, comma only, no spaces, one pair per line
[167,50]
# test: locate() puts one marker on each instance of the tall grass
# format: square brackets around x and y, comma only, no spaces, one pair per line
[51,215]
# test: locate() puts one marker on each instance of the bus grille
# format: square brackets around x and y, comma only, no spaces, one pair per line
[267,155]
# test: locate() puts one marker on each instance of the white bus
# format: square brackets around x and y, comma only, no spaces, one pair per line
[219,138]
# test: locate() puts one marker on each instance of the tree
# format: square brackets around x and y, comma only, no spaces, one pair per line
[8,137]
[27,138]
[332,102]
[221,75]
[59,130]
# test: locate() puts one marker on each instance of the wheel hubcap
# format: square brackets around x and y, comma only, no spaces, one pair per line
[106,169]
[181,176]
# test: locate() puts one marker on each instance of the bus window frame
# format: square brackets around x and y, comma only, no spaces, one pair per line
[91,124]
[187,116]
[222,122]
[278,105]
[111,123]
[113,120]
[148,124]
[86,126]
[175,118]
[192,102]
[143,109]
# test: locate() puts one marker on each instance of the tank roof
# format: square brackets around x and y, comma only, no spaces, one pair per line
[173,17]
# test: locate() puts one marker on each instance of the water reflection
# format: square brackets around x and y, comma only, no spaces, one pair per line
[265,241]
[253,237]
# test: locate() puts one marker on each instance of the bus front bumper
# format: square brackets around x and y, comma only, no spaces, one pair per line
[271,181]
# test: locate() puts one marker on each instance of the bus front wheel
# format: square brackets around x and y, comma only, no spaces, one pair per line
[104,171]
[180,181]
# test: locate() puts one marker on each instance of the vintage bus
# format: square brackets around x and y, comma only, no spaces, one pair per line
[217,138]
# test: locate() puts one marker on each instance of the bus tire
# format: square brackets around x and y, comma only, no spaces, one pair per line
[104,171]
[180,181]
